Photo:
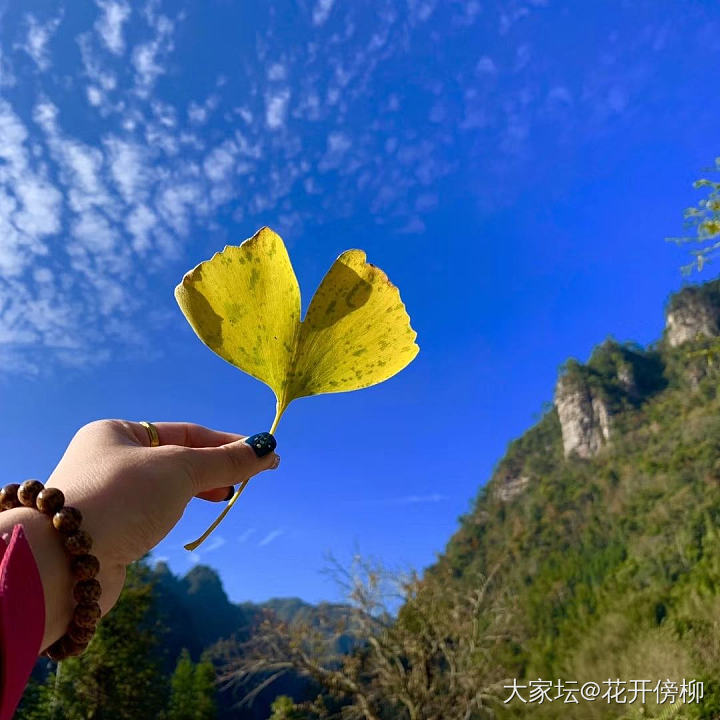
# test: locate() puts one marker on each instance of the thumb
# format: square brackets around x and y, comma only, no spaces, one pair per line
[229,464]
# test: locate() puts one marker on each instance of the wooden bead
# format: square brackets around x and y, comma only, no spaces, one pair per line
[84,567]
[87,614]
[86,591]
[49,501]
[67,520]
[79,543]
[74,648]
[28,491]
[8,497]
[80,634]
[59,649]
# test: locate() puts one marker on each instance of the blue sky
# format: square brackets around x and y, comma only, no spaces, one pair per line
[513,166]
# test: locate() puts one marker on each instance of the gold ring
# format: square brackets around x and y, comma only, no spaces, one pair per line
[152,432]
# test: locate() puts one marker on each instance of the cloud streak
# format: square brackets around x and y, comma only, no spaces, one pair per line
[245,535]
[418,499]
[272,535]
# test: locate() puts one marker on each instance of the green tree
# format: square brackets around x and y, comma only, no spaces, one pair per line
[182,693]
[205,691]
[705,217]
[36,702]
[283,708]
[119,676]
[192,694]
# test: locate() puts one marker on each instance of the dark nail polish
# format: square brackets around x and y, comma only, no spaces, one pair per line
[231,492]
[262,443]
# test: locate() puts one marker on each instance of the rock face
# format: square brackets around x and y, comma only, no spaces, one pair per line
[584,417]
[627,380]
[511,487]
[587,397]
[693,311]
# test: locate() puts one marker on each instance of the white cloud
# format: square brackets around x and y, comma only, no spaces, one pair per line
[146,56]
[415,499]
[276,108]
[110,24]
[560,94]
[486,65]
[277,71]
[244,113]
[94,95]
[80,165]
[42,275]
[421,10]
[510,17]
[129,167]
[522,57]
[199,114]
[616,100]
[217,542]
[338,143]
[141,224]
[426,202]
[37,39]
[95,232]
[414,226]
[321,11]
[272,535]
[178,202]
[245,535]
[220,162]
[29,202]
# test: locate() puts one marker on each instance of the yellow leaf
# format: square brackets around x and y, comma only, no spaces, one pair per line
[244,304]
[356,332]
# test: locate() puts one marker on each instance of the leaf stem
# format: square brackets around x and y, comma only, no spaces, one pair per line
[196,543]
[204,536]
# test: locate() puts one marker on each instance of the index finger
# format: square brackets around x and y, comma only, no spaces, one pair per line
[191,435]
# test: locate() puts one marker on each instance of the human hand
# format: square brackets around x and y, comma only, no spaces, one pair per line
[131,495]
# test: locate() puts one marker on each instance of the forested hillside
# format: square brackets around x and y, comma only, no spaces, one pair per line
[603,518]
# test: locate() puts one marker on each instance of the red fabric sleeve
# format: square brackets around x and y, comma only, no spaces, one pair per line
[22,618]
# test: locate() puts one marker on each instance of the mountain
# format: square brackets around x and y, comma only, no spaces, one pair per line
[603,518]
[194,612]
[198,615]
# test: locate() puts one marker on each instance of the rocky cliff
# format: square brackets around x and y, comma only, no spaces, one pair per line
[619,376]
[693,312]
[584,417]
[616,377]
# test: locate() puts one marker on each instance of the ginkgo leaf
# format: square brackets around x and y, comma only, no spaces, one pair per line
[244,304]
[356,332]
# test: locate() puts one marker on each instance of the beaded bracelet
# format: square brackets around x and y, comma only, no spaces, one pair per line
[83,566]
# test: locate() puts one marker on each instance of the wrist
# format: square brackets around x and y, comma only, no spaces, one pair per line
[53,564]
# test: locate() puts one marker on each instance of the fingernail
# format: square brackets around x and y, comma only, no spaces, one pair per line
[231,492]
[276,462]
[262,443]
